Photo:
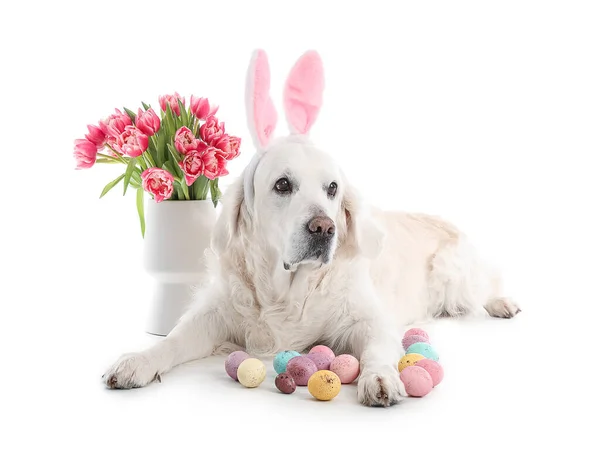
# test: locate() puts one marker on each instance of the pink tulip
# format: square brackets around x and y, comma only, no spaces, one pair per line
[131,142]
[96,136]
[147,122]
[186,142]
[85,154]
[201,108]
[221,164]
[197,163]
[115,124]
[158,182]
[212,130]
[234,147]
[172,101]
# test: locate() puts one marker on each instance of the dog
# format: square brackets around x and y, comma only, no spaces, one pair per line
[302,261]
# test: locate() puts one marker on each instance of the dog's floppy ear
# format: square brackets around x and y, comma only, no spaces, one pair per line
[260,110]
[303,92]
[229,222]
[362,234]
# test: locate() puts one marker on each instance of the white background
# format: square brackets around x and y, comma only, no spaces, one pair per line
[487,113]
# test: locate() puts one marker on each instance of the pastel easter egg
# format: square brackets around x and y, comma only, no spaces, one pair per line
[347,367]
[281,360]
[424,349]
[417,331]
[408,361]
[301,368]
[417,381]
[251,372]
[321,359]
[232,362]
[285,383]
[434,369]
[323,349]
[409,340]
[324,385]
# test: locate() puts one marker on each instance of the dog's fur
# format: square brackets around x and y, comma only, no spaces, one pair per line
[273,292]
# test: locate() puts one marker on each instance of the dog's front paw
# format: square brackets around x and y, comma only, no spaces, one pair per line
[380,387]
[130,371]
[502,307]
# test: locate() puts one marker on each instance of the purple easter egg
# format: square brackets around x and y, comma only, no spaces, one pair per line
[233,361]
[321,359]
[301,368]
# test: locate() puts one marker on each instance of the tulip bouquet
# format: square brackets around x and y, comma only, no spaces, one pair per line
[178,156]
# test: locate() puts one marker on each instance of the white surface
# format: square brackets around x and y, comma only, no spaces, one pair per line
[487,114]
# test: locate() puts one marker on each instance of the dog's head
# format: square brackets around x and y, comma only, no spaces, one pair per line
[292,197]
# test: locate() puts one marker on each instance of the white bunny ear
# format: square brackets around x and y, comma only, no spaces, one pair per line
[303,93]
[260,111]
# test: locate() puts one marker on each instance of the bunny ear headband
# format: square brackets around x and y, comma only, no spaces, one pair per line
[302,100]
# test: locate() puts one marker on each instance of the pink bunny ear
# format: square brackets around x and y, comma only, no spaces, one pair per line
[260,111]
[303,93]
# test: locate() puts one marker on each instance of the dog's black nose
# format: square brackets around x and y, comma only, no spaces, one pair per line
[321,226]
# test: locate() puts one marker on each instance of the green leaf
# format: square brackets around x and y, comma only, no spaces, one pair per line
[128,173]
[140,209]
[146,107]
[173,169]
[184,114]
[111,184]
[176,156]
[215,192]
[131,114]
[101,160]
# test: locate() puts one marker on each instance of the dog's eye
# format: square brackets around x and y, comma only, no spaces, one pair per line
[283,186]
[332,189]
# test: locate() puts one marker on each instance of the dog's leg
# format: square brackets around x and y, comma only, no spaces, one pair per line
[378,347]
[194,337]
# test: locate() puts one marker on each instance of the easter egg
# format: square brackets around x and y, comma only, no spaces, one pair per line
[324,385]
[232,362]
[434,369]
[424,349]
[301,368]
[323,349]
[417,331]
[409,340]
[417,381]
[251,372]
[409,360]
[285,383]
[281,360]
[322,360]
[346,366]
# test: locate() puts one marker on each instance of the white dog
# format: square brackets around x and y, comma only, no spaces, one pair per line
[301,262]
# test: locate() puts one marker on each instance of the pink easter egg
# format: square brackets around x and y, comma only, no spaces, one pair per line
[416,380]
[301,368]
[434,369]
[321,359]
[346,367]
[233,361]
[417,331]
[409,340]
[323,349]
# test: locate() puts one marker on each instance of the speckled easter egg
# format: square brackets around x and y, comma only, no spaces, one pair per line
[434,369]
[324,385]
[251,373]
[301,368]
[409,340]
[322,360]
[417,381]
[285,383]
[409,360]
[424,349]
[323,349]
[417,331]
[347,367]
[232,362]
[281,360]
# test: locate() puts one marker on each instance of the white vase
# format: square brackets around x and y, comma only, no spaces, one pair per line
[177,234]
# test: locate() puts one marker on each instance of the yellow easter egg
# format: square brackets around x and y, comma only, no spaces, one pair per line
[324,385]
[409,360]
[251,372]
